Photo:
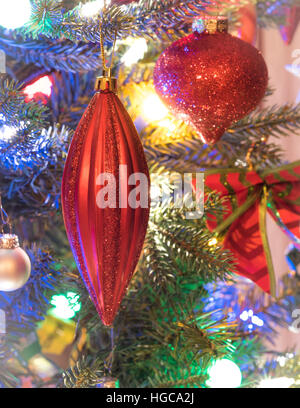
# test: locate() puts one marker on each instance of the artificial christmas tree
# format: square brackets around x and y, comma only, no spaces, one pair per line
[187,318]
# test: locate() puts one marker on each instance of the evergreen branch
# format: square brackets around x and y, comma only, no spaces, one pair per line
[84,374]
[197,381]
[16,111]
[158,262]
[60,55]
[242,295]
[273,121]
[31,172]
[231,151]
[148,18]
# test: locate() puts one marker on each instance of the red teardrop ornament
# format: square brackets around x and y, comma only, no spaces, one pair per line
[106,242]
[211,81]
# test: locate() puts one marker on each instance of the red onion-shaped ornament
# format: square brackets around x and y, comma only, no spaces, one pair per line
[211,79]
[105,199]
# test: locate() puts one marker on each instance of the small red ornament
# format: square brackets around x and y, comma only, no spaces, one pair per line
[106,237]
[248,23]
[211,79]
[292,20]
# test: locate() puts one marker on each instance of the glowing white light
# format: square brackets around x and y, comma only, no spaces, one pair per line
[153,109]
[168,124]
[281,360]
[14,13]
[7,133]
[280,382]
[257,321]
[212,242]
[92,8]
[224,373]
[154,192]
[136,52]
[244,316]
[42,85]
[66,306]
[250,312]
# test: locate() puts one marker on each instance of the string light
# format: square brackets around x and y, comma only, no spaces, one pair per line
[153,109]
[224,373]
[168,124]
[92,8]
[41,86]
[136,52]
[283,359]
[255,320]
[7,133]
[14,13]
[212,242]
[66,306]
[280,382]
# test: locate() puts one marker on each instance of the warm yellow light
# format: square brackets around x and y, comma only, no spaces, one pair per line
[168,124]
[153,109]
[136,52]
[212,242]
[279,382]
[92,8]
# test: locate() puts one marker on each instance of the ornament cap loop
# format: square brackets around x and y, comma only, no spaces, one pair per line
[211,25]
[9,241]
[106,82]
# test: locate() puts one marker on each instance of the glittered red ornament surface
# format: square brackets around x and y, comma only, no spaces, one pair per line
[211,79]
[106,242]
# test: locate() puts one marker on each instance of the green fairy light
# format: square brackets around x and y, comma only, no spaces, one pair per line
[65,305]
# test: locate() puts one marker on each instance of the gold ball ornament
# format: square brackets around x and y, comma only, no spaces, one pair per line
[15,266]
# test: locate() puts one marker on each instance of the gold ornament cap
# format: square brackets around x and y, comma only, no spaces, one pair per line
[211,25]
[106,82]
[9,241]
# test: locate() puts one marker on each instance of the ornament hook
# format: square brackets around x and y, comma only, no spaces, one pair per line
[106,81]
[4,218]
